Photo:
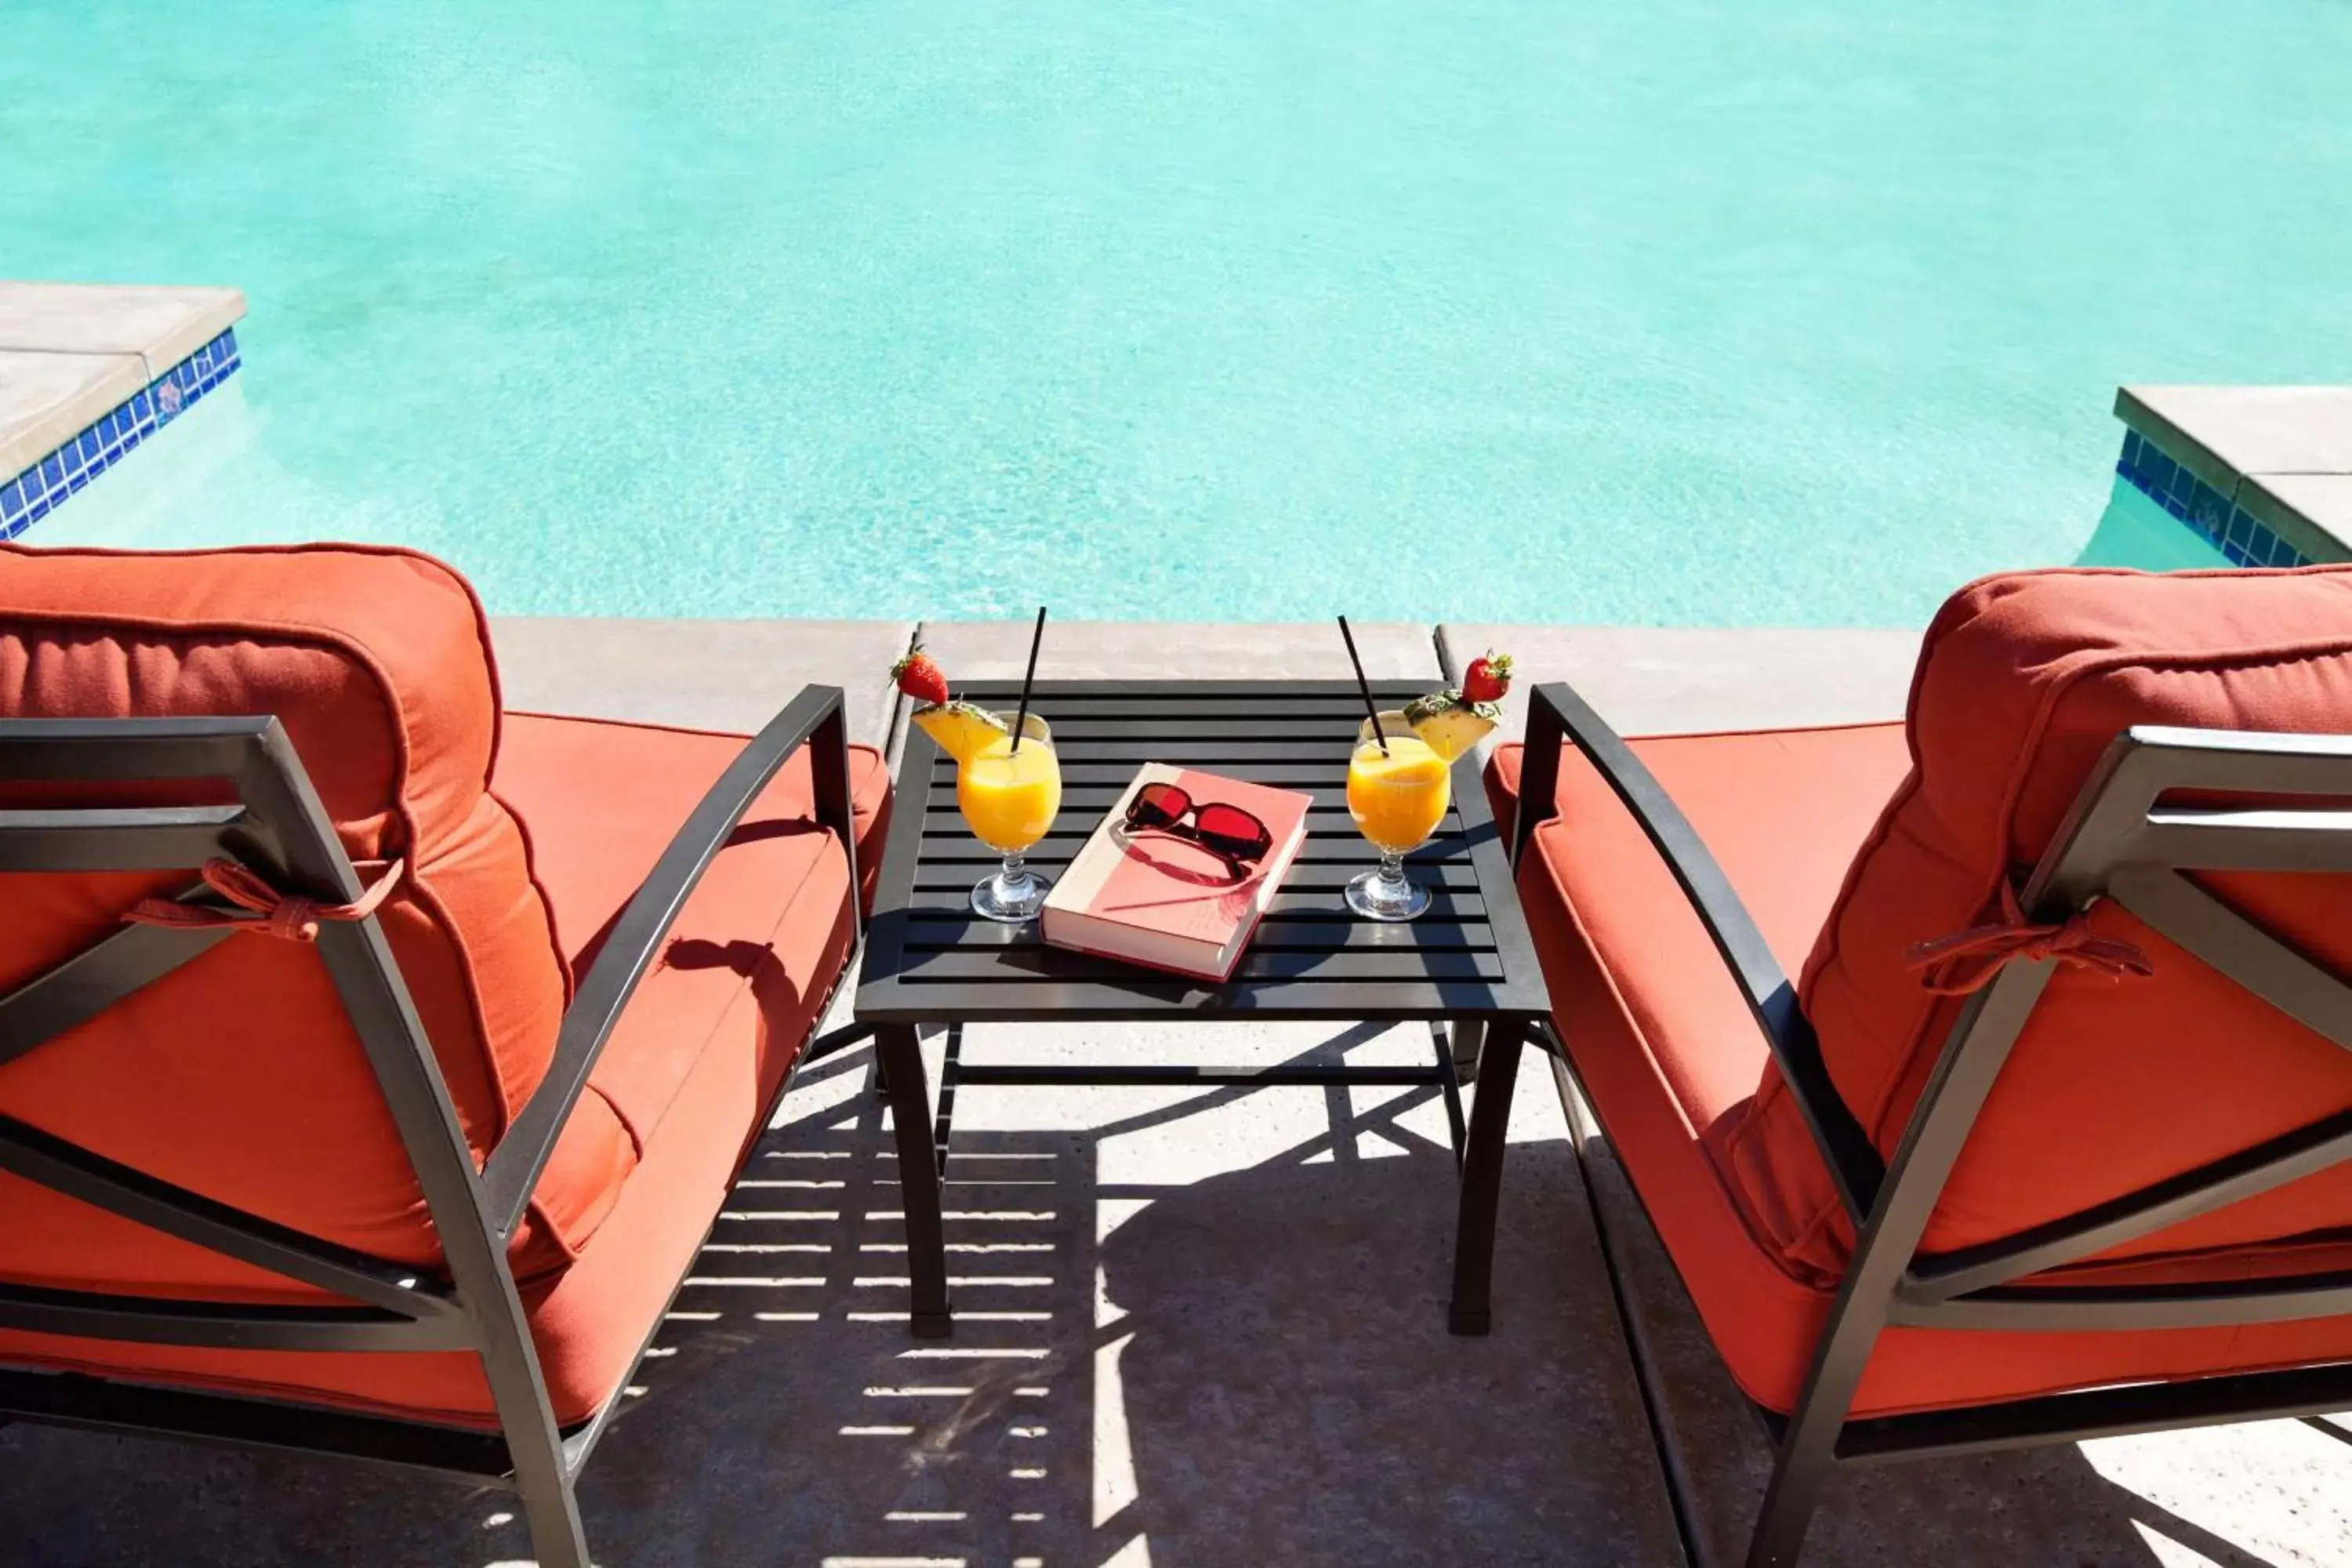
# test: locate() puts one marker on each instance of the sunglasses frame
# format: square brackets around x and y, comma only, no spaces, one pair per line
[1176,824]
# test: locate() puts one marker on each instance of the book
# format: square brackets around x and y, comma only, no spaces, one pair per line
[1161,901]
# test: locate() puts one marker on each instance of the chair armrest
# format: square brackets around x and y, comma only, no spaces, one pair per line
[1555,713]
[813,718]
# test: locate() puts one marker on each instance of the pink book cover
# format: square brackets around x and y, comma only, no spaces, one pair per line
[1160,901]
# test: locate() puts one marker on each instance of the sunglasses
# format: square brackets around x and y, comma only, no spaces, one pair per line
[1225,831]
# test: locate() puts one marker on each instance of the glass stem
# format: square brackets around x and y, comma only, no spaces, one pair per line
[1392,866]
[1016,871]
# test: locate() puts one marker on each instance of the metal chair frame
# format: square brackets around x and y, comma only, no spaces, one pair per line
[2123,839]
[279,827]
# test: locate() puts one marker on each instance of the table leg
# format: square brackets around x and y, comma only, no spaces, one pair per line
[901,1059]
[1471,1311]
[1467,1035]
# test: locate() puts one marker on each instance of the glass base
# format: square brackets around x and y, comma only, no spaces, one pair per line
[1379,896]
[1012,895]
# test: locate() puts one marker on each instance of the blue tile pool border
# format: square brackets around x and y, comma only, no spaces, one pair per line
[2237,533]
[57,475]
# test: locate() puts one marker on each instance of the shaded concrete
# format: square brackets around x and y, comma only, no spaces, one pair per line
[719,675]
[1201,1327]
[1657,680]
[2261,1495]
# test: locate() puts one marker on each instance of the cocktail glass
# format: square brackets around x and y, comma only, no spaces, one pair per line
[1398,797]
[1009,799]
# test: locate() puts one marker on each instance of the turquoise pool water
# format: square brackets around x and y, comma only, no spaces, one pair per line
[1696,313]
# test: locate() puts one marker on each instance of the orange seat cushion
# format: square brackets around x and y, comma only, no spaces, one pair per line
[696,1057]
[593,852]
[640,770]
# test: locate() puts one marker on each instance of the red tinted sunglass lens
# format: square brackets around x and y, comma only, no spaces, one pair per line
[1230,830]
[1158,806]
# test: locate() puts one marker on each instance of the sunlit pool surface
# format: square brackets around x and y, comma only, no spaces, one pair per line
[1670,313]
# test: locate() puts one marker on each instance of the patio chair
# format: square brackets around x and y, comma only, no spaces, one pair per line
[373,1062]
[2049,1139]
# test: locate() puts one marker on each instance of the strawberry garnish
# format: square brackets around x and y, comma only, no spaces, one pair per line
[920,678]
[1488,677]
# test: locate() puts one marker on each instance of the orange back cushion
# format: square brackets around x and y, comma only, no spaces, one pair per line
[238,1075]
[2023,681]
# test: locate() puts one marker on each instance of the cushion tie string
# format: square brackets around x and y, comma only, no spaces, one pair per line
[1967,961]
[265,910]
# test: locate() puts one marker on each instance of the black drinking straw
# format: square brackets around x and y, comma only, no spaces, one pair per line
[1021,719]
[1363,686]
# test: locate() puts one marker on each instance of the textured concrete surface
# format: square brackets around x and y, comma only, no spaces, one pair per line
[2227,431]
[161,322]
[1194,1328]
[69,352]
[48,397]
[719,675]
[2238,440]
[1649,681]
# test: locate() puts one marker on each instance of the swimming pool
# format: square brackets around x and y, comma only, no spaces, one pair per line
[1686,312]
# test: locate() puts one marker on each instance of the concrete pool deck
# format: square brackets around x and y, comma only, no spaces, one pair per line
[70,352]
[88,370]
[2281,454]
[1202,1328]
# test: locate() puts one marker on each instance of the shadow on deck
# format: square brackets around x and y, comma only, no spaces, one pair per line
[1193,1328]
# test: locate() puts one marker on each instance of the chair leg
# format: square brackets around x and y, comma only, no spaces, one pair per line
[901,1064]
[542,1476]
[1809,1447]
[1472,1309]
[1800,1471]
[552,1509]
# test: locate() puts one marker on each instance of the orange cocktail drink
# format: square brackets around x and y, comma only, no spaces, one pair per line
[1397,792]
[1008,795]
[1009,798]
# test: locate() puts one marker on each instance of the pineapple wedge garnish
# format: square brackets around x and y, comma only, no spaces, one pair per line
[1449,725]
[962,729]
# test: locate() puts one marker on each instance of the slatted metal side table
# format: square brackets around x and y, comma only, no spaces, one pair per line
[1466,967]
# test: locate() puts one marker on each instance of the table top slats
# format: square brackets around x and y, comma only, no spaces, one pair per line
[1059,963]
[1307,876]
[930,959]
[928,933]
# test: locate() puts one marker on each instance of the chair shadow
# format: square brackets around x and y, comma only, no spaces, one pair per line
[2048,1505]
[1291,1393]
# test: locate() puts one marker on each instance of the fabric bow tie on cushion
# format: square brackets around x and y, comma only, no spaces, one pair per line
[264,909]
[1967,961]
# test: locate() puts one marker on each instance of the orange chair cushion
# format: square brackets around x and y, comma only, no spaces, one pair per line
[238,1075]
[677,1098]
[1672,1059]
[650,774]
[2024,681]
